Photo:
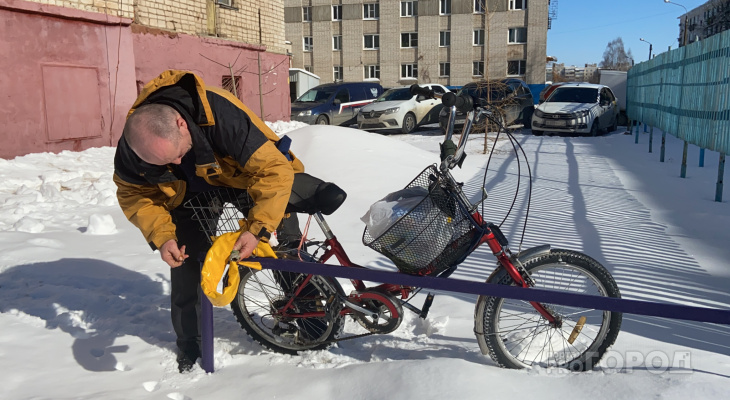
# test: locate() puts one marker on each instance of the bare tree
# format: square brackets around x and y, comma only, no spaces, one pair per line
[615,57]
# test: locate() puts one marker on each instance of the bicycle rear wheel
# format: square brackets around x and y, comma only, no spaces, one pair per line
[261,294]
[516,336]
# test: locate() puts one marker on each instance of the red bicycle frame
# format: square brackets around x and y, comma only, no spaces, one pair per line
[334,248]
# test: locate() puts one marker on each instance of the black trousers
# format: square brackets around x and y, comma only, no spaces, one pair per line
[309,194]
[185,282]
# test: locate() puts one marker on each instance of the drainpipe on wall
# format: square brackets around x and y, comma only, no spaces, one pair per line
[211,17]
[258,58]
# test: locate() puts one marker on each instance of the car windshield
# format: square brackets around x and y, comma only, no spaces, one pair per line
[395,94]
[574,95]
[498,91]
[316,95]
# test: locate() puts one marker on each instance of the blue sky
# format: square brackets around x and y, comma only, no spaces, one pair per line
[583,28]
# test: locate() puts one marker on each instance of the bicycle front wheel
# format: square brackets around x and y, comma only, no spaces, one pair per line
[263,294]
[515,335]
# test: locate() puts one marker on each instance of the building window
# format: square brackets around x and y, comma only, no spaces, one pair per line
[517,4]
[337,73]
[517,35]
[444,69]
[409,71]
[408,8]
[371,11]
[308,68]
[409,39]
[444,7]
[477,68]
[444,38]
[337,42]
[516,67]
[372,42]
[479,6]
[337,13]
[479,37]
[307,14]
[308,43]
[372,72]
[228,3]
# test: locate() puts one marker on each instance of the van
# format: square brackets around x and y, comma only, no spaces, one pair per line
[334,103]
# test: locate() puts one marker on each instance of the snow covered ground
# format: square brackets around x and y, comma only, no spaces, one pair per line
[84,304]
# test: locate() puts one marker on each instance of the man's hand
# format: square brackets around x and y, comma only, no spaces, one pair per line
[246,244]
[173,255]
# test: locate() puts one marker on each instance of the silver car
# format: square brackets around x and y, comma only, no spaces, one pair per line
[577,108]
[398,109]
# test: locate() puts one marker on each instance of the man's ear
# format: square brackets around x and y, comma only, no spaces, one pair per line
[181,123]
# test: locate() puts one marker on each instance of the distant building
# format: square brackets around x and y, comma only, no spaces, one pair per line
[549,73]
[571,73]
[704,21]
[451,42]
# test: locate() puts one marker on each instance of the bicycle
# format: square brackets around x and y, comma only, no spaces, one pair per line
[290,312]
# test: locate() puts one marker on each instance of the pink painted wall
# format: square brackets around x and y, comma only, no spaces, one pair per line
[69,77]
[62,85]
[156,51]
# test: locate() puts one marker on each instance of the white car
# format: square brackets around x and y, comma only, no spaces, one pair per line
[398,109]
[577,108]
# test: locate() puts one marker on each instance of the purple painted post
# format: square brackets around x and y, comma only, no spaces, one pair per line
[206,340]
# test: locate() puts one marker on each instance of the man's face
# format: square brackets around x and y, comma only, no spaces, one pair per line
[161,151]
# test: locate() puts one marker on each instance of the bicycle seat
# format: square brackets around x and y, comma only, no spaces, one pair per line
[311,195]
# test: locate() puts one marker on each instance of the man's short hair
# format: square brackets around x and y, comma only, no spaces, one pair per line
[151,120]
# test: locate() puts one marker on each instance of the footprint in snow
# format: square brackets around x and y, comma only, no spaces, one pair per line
[178,396]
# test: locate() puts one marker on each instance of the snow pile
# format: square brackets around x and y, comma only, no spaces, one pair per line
[82,293]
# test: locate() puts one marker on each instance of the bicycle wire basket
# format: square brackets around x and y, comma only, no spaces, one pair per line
[431,237]
[220,211]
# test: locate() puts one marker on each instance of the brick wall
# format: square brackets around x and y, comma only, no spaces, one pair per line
[253,22]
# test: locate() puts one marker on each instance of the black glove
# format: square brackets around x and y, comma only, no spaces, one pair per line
[448,148]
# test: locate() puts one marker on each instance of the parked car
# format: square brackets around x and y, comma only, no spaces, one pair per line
[398,109]
[511,95]
[334,103]
[578,108]
[548,90]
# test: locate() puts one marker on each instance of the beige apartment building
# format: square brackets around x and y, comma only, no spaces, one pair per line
[395,42]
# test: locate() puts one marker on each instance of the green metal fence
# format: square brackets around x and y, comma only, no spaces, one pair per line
[686,92]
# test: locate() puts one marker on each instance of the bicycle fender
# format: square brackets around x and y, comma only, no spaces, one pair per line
[499,272]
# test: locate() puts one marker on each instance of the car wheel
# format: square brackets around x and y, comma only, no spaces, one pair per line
[594,128]
[409,123]
[322,120]
[527,117]
[613,126]
[537,133]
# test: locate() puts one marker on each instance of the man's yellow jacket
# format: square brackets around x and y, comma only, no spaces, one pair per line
[232,147]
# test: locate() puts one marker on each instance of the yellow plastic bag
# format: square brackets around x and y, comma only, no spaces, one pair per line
[215,265]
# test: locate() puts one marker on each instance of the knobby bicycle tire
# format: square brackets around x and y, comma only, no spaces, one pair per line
[261,292]
[515,335]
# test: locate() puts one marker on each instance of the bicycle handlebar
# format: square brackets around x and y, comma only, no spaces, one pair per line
[463,103]
[422,91]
